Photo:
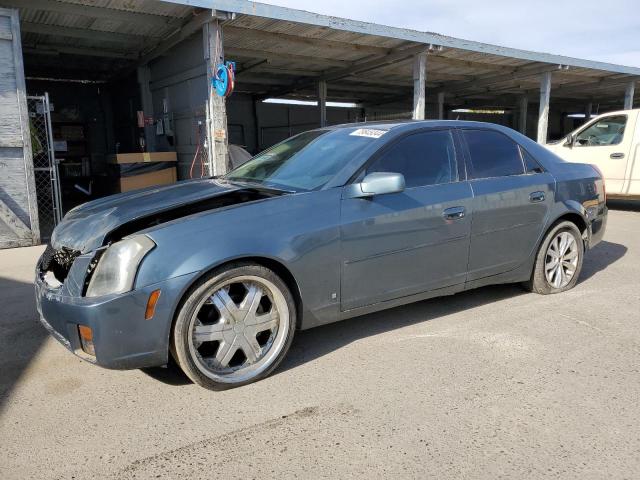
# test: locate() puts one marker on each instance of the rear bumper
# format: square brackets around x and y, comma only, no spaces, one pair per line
[598,226]
[123,339]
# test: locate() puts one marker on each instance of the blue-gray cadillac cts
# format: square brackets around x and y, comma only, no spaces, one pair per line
[337,222]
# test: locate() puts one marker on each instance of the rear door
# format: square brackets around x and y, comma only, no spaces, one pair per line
[512,198]
[410,242]
[606,143]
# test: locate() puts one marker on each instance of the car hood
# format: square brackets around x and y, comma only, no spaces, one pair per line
[86,227]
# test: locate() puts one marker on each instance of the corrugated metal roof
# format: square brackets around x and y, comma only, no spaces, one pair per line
[152,7]
[273,12]
[277,47]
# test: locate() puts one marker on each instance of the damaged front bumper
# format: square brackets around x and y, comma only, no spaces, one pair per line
[122,338]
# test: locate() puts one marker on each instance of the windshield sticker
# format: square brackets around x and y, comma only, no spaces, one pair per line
[368,132]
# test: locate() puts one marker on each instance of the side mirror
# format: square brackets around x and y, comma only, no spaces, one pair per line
[571,140]
[378,183]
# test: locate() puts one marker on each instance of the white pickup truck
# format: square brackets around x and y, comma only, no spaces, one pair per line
[610,142]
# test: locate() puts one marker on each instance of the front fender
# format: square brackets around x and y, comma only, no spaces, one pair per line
[299,231]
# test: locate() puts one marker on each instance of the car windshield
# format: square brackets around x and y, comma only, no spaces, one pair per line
[307,161]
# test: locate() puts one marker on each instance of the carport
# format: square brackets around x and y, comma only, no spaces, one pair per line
[115,58]
[286,53]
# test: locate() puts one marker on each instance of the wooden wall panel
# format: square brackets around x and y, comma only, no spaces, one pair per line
[18,204]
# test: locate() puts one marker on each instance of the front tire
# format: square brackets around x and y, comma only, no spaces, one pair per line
[234,326]
[559,260]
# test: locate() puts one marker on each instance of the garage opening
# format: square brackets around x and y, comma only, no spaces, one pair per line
[77,125]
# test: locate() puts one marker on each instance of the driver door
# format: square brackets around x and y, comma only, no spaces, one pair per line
[405,243]
[605,143]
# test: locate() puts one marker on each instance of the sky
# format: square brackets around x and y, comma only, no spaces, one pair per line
[603,30]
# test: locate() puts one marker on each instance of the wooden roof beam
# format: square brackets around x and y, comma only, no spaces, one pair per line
[82,51]
[283,55]
[285,38]
[356,68]
[513,75]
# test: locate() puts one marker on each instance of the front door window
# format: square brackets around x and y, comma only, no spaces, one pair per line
[606,131]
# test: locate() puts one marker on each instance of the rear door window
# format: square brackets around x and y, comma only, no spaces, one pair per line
[492,154]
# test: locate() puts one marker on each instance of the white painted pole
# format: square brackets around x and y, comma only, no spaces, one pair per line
[628,95]
[440,101]
[322,102]
[543,115]
[523,104]
[419,84]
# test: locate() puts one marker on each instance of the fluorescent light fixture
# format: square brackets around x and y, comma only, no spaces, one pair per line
[580,115]
[311,103]
[478,110]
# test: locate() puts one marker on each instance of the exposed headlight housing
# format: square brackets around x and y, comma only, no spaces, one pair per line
[117,268]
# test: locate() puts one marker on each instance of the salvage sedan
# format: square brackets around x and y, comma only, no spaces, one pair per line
[330,224]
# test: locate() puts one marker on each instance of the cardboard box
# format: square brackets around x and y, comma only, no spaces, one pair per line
[159,177]
[143,157]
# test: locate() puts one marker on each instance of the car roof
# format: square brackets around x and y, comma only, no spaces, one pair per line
[413,124]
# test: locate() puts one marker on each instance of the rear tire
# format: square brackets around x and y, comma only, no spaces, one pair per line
[559,260]
[234,326]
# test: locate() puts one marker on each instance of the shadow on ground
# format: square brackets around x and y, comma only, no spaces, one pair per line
[311,344]
[169,374]
[21,335]
[626,205]
[600,257]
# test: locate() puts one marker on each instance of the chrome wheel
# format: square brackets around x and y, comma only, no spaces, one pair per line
[238,329]
[561,260]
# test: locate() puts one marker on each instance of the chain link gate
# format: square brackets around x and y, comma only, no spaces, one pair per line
[45,167]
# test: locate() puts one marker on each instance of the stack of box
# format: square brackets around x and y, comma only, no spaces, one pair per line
[132,171]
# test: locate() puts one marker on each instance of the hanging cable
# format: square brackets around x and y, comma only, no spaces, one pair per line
[199,153]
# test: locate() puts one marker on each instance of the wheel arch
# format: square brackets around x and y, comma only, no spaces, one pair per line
[276,265]
[569,215]
[572,217]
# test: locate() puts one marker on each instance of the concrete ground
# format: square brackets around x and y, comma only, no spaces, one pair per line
[486,384]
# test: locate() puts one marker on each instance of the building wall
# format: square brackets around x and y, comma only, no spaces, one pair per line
[179,90]
[277,122]
[178,81]
[18,205]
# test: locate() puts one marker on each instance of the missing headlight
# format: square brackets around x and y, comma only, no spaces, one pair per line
[58,262]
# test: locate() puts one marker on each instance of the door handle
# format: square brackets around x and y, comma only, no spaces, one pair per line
[454,213]
[616,155]
[536,197]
